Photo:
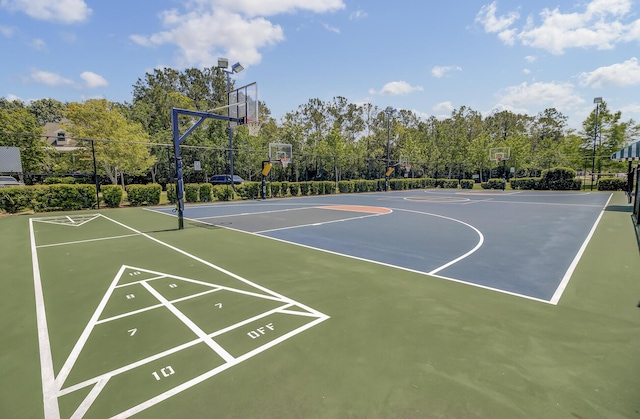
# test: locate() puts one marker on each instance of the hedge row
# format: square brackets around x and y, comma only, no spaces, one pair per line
[42,198]
[556,179]
[612,184]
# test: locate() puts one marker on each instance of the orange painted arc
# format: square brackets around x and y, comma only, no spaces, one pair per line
[359,208]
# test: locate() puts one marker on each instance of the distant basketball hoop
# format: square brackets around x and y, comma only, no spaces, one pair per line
[285,162]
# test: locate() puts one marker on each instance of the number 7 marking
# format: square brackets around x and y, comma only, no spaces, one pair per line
[132,331]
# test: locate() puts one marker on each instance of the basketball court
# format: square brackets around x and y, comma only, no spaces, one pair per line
[524,243]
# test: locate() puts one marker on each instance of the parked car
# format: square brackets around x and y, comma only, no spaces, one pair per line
[226,180]
[8,181]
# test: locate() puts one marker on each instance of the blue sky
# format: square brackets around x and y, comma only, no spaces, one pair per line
[428,57]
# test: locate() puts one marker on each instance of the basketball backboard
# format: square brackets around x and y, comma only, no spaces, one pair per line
[243,103]
[499,154]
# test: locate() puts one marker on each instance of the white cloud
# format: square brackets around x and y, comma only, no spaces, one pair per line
[330,28]
[601,25]
[526,71]
[498,24]
[48,78]
[443,107]
[530,58]
[441,71]
[38,44]
[396,88]
[93,80]
[202,37]
[236,29]
[271,7]
[6,31]
[64,11]
[620,74]
[358,14]
[11,97]
[557,95]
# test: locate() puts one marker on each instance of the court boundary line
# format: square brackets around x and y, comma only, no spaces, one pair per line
[52,384]
[555,299]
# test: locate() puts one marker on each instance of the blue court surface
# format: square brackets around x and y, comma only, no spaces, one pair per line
[524,243]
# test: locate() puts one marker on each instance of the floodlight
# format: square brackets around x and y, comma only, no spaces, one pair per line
[237,67]
[390,110]
[223,62]
[597,100]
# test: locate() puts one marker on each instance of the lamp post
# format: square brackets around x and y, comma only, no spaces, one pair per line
[389,111]
[597,101]
[223,64]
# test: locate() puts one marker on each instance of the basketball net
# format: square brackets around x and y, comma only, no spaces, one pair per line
[285,162]
[254,128]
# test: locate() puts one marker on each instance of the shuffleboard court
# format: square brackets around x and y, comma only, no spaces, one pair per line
[523,243]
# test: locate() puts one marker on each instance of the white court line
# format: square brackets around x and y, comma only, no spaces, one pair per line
[254,213]
[190,324]
[87,241]
[49,390]
[319,224]
[182,387]
[82,340]
[555,299]
[91,397]
[52,386]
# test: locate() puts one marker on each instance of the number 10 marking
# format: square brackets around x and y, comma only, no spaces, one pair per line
[166,371]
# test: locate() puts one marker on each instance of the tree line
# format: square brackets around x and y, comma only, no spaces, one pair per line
[333,139]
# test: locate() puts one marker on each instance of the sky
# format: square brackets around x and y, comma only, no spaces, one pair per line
[424,56]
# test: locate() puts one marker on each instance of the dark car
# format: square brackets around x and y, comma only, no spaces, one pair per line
[226,180]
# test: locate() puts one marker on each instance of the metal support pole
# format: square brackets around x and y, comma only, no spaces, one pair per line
[264,180]
[95,174]
[386,176]
[595,136]
[230,133]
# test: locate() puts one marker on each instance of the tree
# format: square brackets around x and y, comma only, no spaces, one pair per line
[47,110]
[15,119]
[117,142]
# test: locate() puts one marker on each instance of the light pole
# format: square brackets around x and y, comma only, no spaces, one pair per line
[223,64]
[597,101]
[389,111]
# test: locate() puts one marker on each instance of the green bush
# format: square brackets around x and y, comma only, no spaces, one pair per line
[206,192]
[14,199]
[191,192]
[112,195]
[316,188]
[328,187]
[467,184]
[53,180]
[346,186]
[284,188]
[275,189]
[223,193]
[448,183]
[558,179]
[294,188]
[143,194]
[171,193]
[495,183]
[253,190]
[61,197]
[525,183]
[612,184]
[304,188]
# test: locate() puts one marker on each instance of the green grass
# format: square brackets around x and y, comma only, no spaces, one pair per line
[397,344]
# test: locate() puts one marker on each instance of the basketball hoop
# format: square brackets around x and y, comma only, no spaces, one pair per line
[254,128]
[499,158]
[285,162]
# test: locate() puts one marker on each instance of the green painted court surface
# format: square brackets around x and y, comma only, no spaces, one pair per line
[134,318]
